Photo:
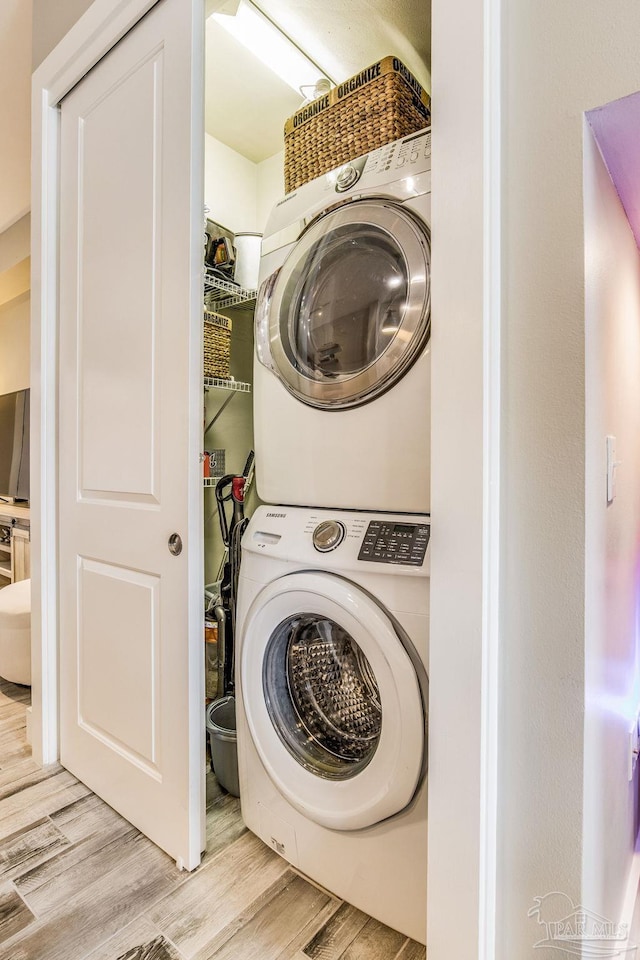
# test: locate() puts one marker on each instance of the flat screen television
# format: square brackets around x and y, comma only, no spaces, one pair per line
[14,445]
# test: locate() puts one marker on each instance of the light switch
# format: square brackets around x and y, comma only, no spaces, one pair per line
[612,465]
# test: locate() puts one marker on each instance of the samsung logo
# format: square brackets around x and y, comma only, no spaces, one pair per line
[279,516]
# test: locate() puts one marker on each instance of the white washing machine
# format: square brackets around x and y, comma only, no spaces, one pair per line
[331,701]
[342,385]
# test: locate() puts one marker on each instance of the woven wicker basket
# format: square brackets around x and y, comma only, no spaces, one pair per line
[380,104]
[217,345]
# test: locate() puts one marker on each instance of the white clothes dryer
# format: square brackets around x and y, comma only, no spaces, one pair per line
[331,702]
[342,385]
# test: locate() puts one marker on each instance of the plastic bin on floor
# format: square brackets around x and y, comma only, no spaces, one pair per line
[223,743]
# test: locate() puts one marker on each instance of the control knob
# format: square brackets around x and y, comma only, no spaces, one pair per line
[328,535]
[346,178]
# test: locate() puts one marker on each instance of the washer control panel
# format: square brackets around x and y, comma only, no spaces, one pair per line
[392,542]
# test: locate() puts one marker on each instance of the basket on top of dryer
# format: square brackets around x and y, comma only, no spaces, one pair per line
[342,379]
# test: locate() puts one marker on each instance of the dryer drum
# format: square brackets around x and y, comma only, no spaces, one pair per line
[322,696]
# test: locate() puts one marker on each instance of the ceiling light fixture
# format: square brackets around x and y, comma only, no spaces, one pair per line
[269,44]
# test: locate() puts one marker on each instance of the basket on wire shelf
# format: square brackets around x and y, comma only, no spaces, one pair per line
[380,104]
[217,345]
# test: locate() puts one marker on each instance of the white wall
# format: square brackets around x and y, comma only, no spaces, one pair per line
[230,186]
[15,281]
[14,344]
[15,243]
[51,21]
[238,192]
[612,307]
[15,110]
[15,307]
[270,186]
[561,59]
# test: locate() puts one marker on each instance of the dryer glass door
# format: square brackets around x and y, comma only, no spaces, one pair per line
[350,309]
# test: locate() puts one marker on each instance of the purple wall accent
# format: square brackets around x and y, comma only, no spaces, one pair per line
[616,127]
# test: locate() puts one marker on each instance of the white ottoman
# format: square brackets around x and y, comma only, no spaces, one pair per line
[15,632]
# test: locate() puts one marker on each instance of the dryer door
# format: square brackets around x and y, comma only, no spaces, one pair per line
[349,311]
[333,701]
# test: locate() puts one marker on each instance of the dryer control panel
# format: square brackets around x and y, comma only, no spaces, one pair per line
[400,170]
[393,542]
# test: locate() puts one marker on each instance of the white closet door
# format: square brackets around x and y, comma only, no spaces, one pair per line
[130,396]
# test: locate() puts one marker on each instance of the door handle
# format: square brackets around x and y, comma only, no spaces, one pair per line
[175,544]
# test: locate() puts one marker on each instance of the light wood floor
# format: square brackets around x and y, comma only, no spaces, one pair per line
[77,882]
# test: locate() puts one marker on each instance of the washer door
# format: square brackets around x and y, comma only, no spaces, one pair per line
[350,309]
[332,700]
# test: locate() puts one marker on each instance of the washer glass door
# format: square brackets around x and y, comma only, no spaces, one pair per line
[322,696]
[350,308]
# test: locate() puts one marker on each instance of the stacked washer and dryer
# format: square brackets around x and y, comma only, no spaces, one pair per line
[333,608]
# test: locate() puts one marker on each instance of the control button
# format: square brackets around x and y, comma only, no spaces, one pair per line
[328,535]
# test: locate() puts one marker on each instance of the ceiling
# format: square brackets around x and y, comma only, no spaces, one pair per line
[246,104]
[343,36]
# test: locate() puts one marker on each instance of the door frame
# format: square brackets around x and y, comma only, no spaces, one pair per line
[90,39]
[465,623]
[466,458]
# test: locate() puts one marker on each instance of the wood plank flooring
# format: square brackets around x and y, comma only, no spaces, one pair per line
[77,882]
